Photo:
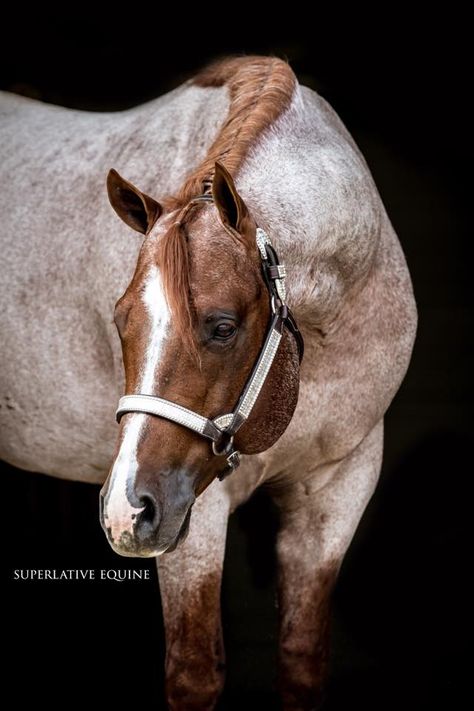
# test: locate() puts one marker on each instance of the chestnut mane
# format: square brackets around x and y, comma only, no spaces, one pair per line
[260,90]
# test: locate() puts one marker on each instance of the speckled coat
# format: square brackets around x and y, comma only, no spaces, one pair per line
[65,262]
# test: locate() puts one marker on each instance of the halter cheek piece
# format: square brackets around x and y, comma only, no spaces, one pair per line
[221,430]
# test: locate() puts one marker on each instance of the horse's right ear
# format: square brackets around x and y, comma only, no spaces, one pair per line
[137,210]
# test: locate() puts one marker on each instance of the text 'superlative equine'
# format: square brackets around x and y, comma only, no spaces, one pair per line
[242,146]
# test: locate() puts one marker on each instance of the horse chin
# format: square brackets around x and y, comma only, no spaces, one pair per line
[182,533]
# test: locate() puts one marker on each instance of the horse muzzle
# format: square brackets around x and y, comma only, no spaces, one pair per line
[150,520]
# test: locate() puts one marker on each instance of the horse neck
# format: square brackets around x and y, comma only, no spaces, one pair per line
[309,187]
[160,143]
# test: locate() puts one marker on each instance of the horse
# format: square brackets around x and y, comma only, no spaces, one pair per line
[260,229]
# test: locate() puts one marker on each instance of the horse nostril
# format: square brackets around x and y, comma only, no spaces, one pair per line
[148,520]
[148,515]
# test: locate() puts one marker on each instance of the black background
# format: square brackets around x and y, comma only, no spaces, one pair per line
[401,606]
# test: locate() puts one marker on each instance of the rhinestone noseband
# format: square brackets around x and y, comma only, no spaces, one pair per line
[221,430]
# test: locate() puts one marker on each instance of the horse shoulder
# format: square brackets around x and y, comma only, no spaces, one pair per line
[347,280]
[352,372]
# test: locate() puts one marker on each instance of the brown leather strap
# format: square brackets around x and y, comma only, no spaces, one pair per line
[292,326]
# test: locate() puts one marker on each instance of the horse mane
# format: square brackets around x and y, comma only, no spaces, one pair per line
[260,90]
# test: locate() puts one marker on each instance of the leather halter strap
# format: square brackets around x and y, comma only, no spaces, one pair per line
[221,430]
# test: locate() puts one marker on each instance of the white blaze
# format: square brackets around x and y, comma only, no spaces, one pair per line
[119,513]
[159,315]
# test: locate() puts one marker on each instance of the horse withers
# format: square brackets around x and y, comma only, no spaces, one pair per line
[262,227]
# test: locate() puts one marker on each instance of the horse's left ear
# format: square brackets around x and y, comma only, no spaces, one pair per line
[138,210]
[232,209]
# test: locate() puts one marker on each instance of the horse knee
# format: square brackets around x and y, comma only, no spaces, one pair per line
[192,686]
[184,694]
[303,669]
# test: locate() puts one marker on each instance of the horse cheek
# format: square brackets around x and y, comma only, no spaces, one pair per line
[276,403]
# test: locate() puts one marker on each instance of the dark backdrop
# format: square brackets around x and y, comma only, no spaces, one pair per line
[401,605]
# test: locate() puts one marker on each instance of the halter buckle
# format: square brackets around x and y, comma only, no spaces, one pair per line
[233,461]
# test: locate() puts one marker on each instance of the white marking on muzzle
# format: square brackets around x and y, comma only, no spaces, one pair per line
[119,513]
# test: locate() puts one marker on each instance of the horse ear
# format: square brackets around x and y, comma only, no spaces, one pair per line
[232,209]
[137,210]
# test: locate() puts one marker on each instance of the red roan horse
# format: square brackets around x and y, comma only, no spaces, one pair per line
[240,158]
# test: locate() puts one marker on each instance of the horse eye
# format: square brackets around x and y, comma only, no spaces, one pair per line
[224,331]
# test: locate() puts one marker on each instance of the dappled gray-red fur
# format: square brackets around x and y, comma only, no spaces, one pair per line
[274,154]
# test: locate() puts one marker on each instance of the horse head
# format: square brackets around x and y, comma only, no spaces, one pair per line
[192,323]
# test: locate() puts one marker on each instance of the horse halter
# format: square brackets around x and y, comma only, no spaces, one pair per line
[221,430]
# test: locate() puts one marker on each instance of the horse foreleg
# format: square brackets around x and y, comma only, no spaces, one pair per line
[190,583]
[317,527]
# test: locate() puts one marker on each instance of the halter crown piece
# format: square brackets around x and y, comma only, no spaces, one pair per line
[221,430]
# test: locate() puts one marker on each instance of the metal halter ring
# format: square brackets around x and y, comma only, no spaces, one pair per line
[229,446]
